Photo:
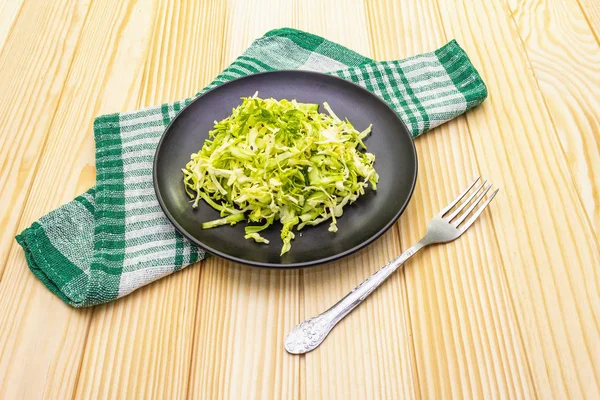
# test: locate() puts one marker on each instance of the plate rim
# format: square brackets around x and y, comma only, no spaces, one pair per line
[305,264]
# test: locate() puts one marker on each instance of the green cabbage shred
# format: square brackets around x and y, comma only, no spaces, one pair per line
[280,160]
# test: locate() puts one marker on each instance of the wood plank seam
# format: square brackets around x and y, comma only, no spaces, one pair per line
[579,150]
[503,270]
[110,64]
[464,119]
[10,28]
[558,144]
[537,323]
[570,196]
[69,345]
[53,379]
[589,22]
[45,139]
[510,301]
[223,59]
[553,124]
[469,387]
[194,324]
[85,340]
[400,280]
[571,181]
[303,383]
[409,329]
[142,94]
[144,97]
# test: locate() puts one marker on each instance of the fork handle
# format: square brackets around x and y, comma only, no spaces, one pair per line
[309,334]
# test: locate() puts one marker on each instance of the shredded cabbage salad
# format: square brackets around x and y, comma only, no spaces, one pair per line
[280,160]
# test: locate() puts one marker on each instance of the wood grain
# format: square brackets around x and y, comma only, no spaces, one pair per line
[34,64]
[151,355]
[244,312]
[462,324]
[591,10]
[358,349]
[36,328]
[511,310]
[546,249]
[41,338]
[565,56]
[9,9]
[243,316]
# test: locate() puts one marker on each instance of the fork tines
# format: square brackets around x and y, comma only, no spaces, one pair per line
[458,217]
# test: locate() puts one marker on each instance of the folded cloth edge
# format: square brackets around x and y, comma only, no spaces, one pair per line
[45,261]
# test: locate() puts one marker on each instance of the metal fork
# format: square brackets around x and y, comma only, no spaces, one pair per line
[309,334]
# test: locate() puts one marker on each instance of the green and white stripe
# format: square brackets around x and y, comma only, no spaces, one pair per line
[114,238]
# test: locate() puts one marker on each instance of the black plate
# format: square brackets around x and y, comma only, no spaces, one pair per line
[364,221]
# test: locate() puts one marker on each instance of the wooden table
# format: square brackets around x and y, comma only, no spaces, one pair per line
[511,310]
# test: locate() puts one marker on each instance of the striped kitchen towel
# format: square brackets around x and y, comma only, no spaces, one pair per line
[114,238]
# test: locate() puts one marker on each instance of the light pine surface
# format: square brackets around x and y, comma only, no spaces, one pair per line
[511,310]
